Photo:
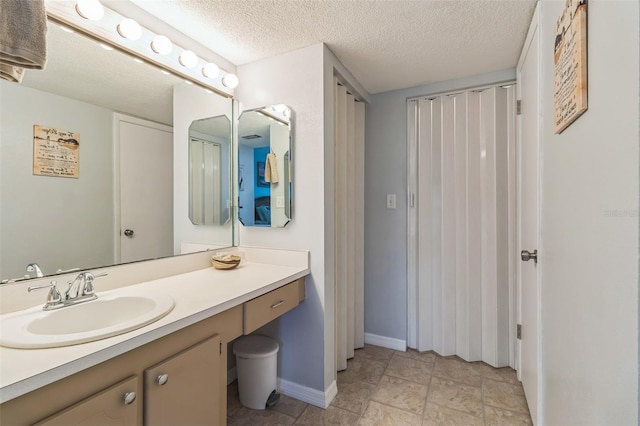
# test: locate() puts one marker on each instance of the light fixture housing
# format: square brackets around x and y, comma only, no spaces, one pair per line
[210,70]
[90,9]
[161,45]
[103,24]
[188,59]
[230,81]
[129,29]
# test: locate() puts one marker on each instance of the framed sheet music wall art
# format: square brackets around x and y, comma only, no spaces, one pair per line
[570,59]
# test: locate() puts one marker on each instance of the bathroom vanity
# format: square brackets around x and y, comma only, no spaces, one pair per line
[173,371]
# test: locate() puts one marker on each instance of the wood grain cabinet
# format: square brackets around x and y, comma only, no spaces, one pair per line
[181,390]
[184,389]
[114,406]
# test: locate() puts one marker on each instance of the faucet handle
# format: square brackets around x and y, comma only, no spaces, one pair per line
[88,282]
[54,298]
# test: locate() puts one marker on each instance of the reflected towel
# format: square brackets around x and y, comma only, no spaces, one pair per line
[271,169]
[23,35]
[11,73]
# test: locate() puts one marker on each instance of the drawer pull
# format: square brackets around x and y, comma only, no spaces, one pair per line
[129,397]
[162,379]
[275,305]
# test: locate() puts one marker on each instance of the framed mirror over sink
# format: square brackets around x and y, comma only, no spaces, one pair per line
[61,224]
[264,166]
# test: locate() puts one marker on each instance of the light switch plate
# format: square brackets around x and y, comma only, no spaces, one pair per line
[391,201]
[280,201]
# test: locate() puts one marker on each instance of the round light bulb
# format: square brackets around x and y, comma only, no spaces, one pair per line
[230,81]
[210,70]
[90,9]
[161,45]
[188,59]
[287,112]
[130,29]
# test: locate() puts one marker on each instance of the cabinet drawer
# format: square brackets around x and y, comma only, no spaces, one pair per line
[105,408]
[263,309]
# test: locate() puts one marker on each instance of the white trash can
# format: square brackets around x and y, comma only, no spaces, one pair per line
[257,365]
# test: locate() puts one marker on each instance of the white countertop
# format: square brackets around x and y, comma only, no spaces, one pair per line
[198,295]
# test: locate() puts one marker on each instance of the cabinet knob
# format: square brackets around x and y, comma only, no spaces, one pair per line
[162,379]
[129,397]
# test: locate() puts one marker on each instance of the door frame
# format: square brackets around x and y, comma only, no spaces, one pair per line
[119,118]
[534,31]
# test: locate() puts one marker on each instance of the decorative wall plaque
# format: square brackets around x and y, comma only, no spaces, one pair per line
[55,152]
[570,59]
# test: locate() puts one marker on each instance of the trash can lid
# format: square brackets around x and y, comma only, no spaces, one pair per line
[255,346]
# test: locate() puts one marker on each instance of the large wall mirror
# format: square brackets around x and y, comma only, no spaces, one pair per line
[64,223]
[210,152]
[264,166]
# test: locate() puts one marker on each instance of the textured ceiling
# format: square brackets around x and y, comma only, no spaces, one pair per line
[79,69]
[386,45]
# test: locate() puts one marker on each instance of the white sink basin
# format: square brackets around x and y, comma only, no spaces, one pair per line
[109,315]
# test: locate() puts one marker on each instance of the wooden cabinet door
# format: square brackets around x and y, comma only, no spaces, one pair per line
[107,408]
[188,388]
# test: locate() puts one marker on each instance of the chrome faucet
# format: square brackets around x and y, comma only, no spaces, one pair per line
[54,298]
[80,290]
[33,267]
[82,286]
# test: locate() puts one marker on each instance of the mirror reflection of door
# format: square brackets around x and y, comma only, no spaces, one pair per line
[209,171]
[146,190]
[264,191]
[205,181]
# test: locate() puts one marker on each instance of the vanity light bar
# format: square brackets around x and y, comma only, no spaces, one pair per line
[127,35]
[270,115]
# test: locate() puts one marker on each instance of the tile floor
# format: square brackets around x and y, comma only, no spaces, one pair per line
[386,387]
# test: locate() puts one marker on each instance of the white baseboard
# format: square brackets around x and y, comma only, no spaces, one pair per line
[308,395]
[385,342]
[232,375]
[294,390]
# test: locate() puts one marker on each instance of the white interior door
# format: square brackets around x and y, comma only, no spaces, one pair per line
[529,219]
[146,189]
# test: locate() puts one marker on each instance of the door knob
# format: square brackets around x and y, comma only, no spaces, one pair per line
[528,255]
[128,232]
